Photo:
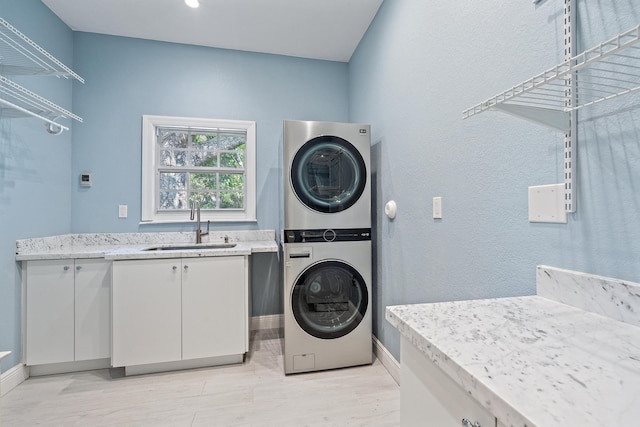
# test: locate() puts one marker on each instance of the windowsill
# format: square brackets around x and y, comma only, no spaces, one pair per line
[202,220]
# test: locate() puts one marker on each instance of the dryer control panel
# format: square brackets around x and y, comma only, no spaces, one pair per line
[327,235]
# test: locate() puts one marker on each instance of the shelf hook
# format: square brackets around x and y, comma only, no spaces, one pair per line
[54,128]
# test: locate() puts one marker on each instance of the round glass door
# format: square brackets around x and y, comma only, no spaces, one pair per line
[328,174]
[329,300]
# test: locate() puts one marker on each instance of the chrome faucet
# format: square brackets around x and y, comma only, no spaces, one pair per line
[195,209]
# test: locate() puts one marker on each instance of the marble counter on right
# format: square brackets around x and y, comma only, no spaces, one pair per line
[535,361]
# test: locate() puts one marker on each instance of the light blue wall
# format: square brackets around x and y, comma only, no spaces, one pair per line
[34,166]
[419,65]
[127,78]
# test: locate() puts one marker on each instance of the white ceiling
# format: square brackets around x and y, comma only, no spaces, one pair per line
[319,29]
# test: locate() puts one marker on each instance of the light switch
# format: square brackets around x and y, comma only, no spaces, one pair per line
[437,208]
[546,204]
[122,211]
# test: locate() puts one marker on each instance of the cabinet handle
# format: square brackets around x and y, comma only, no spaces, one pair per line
[175,268]
[186,267]
[466,422]
[65,268]
[78,267]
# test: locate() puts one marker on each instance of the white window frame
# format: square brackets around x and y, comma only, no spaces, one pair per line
[150,192]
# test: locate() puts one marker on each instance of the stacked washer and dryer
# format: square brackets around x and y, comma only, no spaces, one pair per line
[327,246]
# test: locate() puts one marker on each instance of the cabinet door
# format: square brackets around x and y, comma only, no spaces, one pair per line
[430,398]
[49,312]
[213,307]
[92,309]
[146,311]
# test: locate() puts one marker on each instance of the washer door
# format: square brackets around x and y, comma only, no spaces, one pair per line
[328,174]
[329,299]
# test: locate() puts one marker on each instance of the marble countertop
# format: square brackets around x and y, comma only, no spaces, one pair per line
[532,361]
[120,246]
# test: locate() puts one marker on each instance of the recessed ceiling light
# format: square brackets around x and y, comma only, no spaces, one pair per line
[192,3]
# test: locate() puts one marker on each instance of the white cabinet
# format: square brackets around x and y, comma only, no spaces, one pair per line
[67,310]
[146,311]
[49,312]
[213,297]
[92,325]
[168,310]
[430,398]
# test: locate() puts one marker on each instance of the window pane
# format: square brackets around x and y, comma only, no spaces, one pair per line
[231,200]
[173,181]
[234,159]
[173,200]
[232,181]
[173,158]
[230,141]
[203,181]
[205,141]
[207,200]
[205,159]
[172,139]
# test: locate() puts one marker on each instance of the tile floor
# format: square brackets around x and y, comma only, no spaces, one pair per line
[256,393]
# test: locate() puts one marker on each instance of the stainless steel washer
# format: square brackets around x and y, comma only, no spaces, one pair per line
[327,299]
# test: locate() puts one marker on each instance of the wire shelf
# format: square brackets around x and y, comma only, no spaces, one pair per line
[17,101]
[19,55]
[604,72]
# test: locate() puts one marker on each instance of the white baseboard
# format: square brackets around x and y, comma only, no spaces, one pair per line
[67,367]
[272,321]
[387,359]
[13,378]
[183,364]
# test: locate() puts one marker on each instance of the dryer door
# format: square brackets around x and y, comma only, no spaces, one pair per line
[329,299]
[328,174]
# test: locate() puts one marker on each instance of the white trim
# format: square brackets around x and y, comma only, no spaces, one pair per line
[179,365]
[68,367]
[149,169]
[13,378]
[386,358]
[272,321]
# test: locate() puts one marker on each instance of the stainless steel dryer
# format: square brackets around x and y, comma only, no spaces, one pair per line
[326,175]
[327,299]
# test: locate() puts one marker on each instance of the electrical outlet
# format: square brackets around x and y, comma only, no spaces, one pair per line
[122,211]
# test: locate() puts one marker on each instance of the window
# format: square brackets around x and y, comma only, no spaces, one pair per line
[188,160]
